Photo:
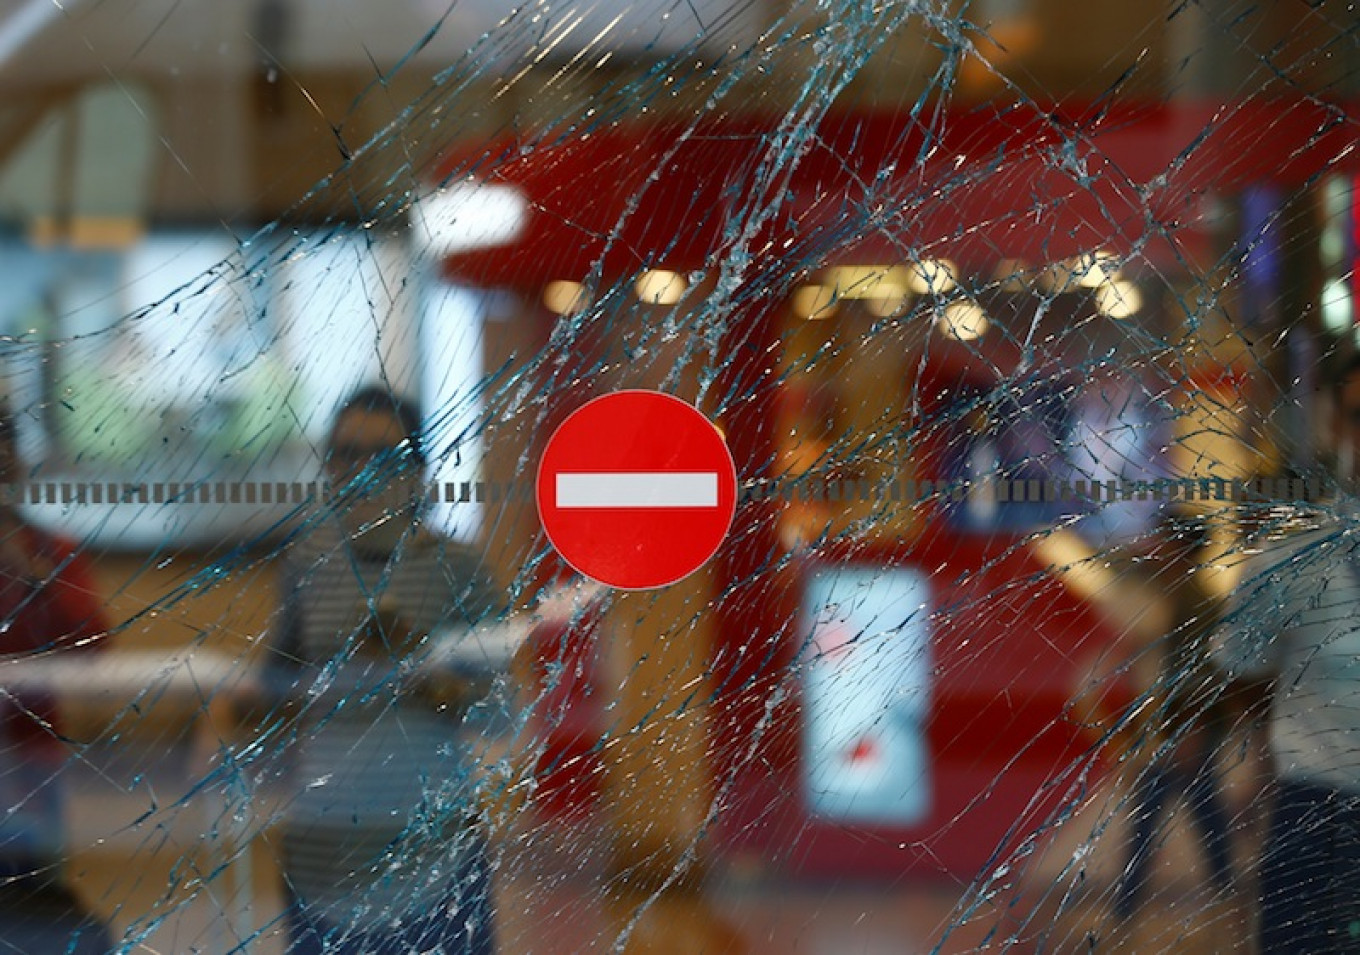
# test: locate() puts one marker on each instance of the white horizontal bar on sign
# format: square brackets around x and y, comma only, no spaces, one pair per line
[591,489]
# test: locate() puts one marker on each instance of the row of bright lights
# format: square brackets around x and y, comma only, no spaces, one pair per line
[469,216]
[653,287]
[886,290]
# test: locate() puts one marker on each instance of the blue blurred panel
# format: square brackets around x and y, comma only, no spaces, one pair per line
[866,695]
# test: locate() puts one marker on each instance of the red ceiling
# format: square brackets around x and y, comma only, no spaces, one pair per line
[977,185]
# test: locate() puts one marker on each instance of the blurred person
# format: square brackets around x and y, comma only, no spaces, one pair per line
[381,848]
[48,604]
[1182,718]
[1291,637]
[1157,700]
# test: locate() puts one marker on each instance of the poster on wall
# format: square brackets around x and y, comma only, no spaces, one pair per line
[866,695]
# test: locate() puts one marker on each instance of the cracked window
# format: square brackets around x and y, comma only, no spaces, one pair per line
[970,565]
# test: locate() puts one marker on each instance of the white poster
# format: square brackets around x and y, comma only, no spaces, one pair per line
[866,695]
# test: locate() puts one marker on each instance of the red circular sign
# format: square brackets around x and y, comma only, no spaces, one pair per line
[636,489]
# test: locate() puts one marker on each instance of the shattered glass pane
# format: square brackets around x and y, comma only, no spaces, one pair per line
[1028,329]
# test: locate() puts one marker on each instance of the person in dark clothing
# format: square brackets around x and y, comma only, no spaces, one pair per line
[1181,720]
[1154,700]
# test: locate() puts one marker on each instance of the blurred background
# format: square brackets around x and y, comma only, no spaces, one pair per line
[976,243]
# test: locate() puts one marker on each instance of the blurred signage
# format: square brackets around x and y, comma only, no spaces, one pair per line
[866,695]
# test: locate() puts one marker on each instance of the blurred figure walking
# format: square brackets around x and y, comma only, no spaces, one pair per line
[1181,718]
[1154,698]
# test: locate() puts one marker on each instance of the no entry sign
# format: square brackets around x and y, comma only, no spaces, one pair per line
[636,489]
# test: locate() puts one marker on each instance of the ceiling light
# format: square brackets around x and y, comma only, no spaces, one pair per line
[893,301]
[1336,307]
[932,277]
[814,301]
[883,288]
[1094,269]
[867,281]
[565,298]
[1118,299]
[468,215]
[660,287]
[963,321]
